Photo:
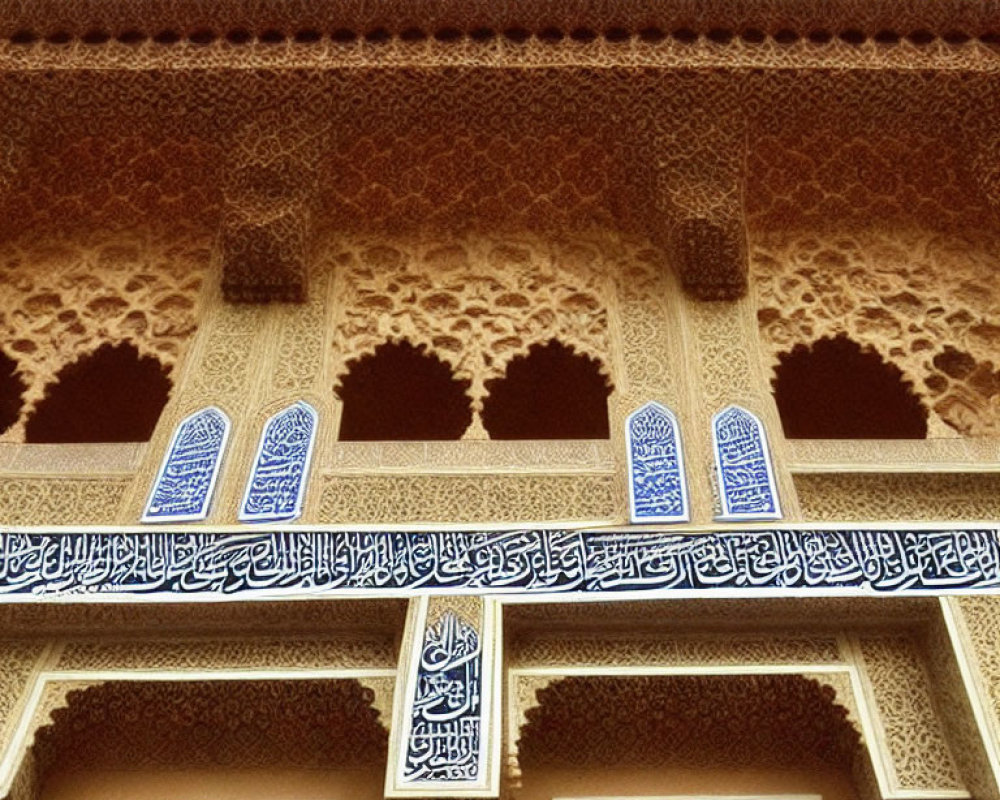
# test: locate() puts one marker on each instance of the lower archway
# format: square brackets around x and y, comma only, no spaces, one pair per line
[701,735]
[154,740]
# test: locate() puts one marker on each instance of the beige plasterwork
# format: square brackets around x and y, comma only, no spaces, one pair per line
[883,677]
[895,683]
[963,711]
[972,624]
[63,299]
[923,301]
[864,497]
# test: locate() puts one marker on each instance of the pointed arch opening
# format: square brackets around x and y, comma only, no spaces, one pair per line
[550,393]
[707,735]
[110,395]
[220,738]
[835,389]
[11,392]
[402,393]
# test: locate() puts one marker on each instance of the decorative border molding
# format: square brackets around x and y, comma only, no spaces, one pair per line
[786,561]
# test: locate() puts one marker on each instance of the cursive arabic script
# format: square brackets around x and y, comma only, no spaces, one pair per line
[281,562]
[276,488]
[183,487]
[444,737]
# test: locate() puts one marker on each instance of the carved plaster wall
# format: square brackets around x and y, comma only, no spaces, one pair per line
[478,303]
[882,677]
[924,301]
[900,496]
[62,299]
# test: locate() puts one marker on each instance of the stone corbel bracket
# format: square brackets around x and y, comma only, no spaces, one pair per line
[269,187]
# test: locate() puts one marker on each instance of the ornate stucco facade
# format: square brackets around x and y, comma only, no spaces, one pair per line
[258,203]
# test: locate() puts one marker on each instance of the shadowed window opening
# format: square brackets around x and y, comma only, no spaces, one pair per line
[110,395]
[551,393]
[400,393]
[11,389]
[836,390]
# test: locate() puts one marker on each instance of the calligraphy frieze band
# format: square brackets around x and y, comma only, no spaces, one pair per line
[193,564]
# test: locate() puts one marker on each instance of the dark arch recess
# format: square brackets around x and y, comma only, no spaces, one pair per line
[400,393]
[110,395]
[551,393]
[11,390]
[837,390]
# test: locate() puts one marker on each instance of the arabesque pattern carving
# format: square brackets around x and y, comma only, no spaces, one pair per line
[61,301]
[953,702]
[541,649]
[981,617]
[469,498]
[920,753]
[903,495]
[303,619]
[476,303]
[60,501]
[18,660]
[340,652]
[924,301]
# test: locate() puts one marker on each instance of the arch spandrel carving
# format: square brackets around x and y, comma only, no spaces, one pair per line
[201,722]
[608,721]
[923,300]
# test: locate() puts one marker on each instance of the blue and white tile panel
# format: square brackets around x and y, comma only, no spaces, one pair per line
[276,489]
[185,483]
[657,483]
[447,722]
[745,476]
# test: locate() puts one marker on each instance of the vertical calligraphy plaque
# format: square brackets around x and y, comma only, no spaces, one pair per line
[185,483]
[747,488]
[445,736]
[657,485]
[277,486]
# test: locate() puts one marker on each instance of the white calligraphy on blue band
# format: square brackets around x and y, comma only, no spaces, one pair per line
[445,725]
[183,489]
[35,566]
[747,488]
[277,486]
[657,484]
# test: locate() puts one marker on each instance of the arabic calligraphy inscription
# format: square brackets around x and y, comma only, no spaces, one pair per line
[276,489]
[184,485]
[657,485]
[35,566]
[444,742]
[743,466]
